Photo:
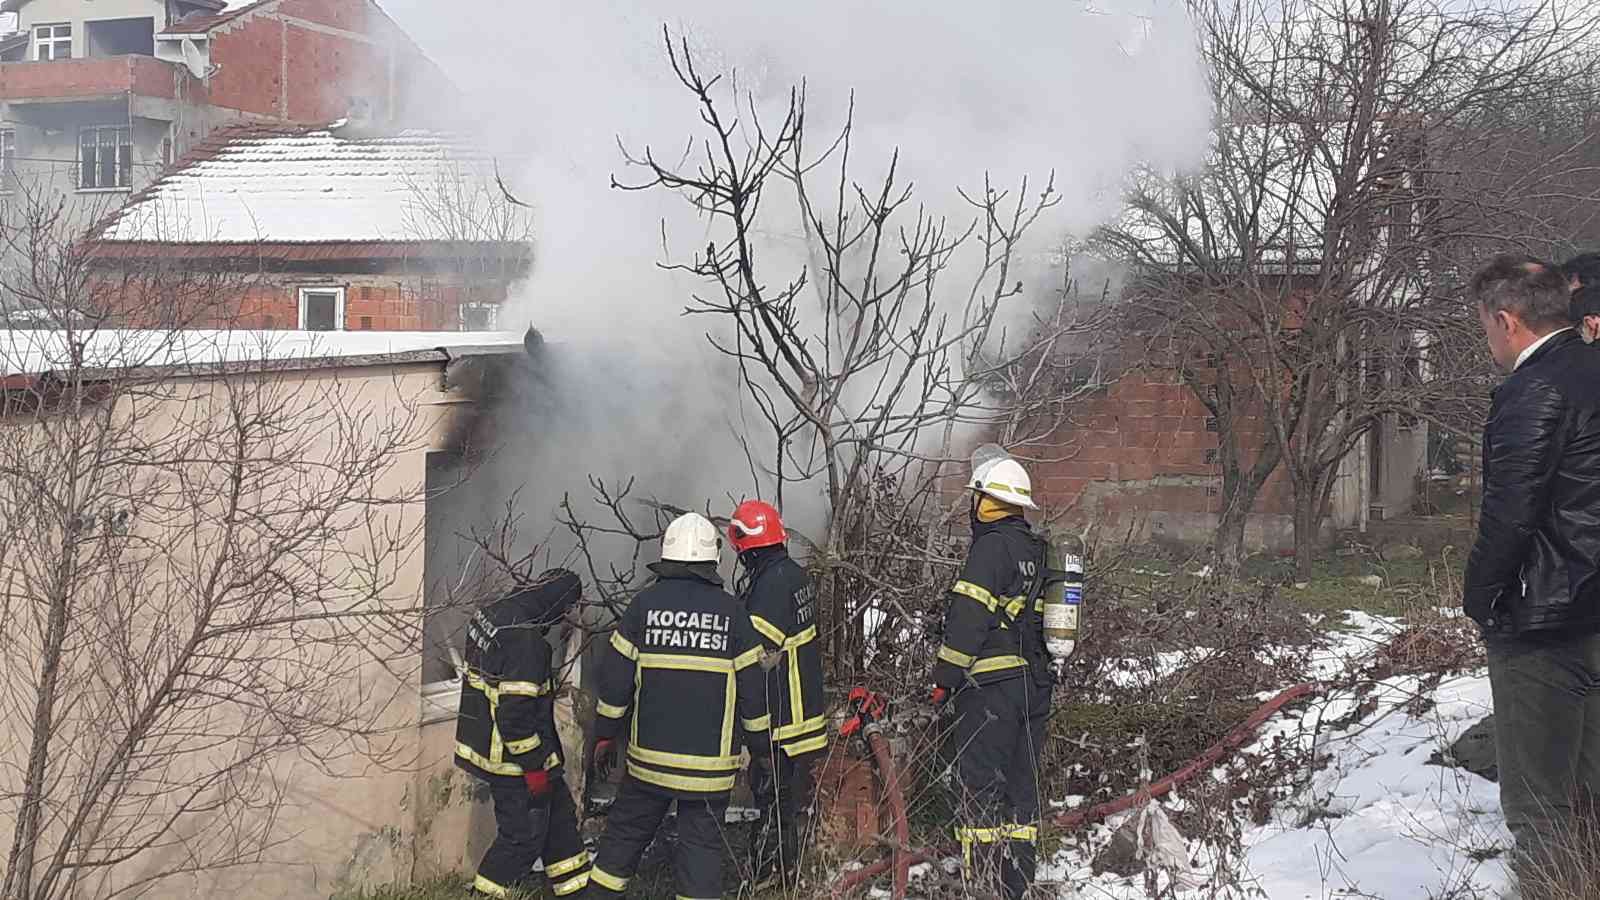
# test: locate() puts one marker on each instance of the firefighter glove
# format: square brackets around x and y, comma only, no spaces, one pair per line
[604,757]
[538,782]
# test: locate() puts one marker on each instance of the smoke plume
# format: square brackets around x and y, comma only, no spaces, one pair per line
[1007,89]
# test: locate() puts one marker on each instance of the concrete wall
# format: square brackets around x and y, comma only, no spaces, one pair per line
[359,821]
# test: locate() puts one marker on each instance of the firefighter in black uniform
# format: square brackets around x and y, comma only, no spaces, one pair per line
[506,735]
[994,665]
[781,600]
[686,662]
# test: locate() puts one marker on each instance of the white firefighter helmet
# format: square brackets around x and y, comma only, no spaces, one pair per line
[1005,480]
[691,538]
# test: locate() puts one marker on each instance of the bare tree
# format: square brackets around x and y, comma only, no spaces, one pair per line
[201,577]
[894,340]
[484,234]
[1306,276]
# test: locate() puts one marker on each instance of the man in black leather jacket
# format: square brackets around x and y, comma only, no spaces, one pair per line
[1532,582]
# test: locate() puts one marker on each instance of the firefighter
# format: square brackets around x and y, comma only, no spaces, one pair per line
[994,666]
[683,672]
[506,736]
[781,600]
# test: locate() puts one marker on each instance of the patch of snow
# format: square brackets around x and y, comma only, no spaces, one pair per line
[31,352]
[1376,822]
[1131,673]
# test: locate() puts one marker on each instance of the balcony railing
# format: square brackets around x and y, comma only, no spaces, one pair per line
[87,79]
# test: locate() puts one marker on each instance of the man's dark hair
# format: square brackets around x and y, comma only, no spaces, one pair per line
[1530,288]
[1586,269]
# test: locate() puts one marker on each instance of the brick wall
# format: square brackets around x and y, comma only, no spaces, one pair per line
[1140,456]
[303,61]
[372,303]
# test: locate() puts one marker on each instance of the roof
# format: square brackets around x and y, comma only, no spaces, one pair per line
[226,12]
[31,352]
[289,184]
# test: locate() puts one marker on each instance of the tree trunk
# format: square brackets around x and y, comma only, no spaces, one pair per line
[1228,550]
[1307,526]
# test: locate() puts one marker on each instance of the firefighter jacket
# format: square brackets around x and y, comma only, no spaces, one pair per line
[991,632]
[686,662]
[506,725]
[782,604]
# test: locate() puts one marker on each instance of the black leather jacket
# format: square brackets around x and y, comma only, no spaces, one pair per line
[1533,568]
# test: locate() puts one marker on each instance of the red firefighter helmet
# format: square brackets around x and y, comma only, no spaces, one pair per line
[755,524]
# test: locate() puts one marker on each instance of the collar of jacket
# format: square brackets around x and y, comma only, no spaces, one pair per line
[981,527]
[756,561]
[705,571]
[1556,342]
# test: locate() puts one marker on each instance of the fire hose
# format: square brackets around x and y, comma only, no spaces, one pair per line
[904,857]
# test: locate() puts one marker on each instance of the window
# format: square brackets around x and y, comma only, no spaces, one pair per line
[105,157]
[52,42]
[322,309]
[478,317]
[8,160]
[120,37]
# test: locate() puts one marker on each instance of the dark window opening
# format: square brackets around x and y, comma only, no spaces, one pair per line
[106,158]
[366,323]
[1211,457]
[319,310]
[448,561]
[478,318]
[121,37]
[1212,424]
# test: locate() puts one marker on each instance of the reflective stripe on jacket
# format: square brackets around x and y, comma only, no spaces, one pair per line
[782,604]
[684,668]
[985,613]
[506,723]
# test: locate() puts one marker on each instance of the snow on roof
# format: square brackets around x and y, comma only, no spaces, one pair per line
[289,184]
[33,352]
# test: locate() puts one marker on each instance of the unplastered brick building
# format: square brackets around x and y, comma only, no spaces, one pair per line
[97,97]
[329,228]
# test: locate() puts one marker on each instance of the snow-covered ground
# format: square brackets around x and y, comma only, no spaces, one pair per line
[1377,822]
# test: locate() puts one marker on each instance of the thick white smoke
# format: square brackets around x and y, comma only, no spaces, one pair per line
[1009,88]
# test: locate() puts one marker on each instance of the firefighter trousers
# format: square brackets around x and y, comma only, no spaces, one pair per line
[527,830]
[631,825]
[995,745]
[783,795]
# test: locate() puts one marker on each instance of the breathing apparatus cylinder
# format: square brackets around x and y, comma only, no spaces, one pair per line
[1063,594]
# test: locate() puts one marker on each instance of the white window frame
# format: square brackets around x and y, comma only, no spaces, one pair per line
[493,310]
[125,181]
[338,307]
[52,39]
